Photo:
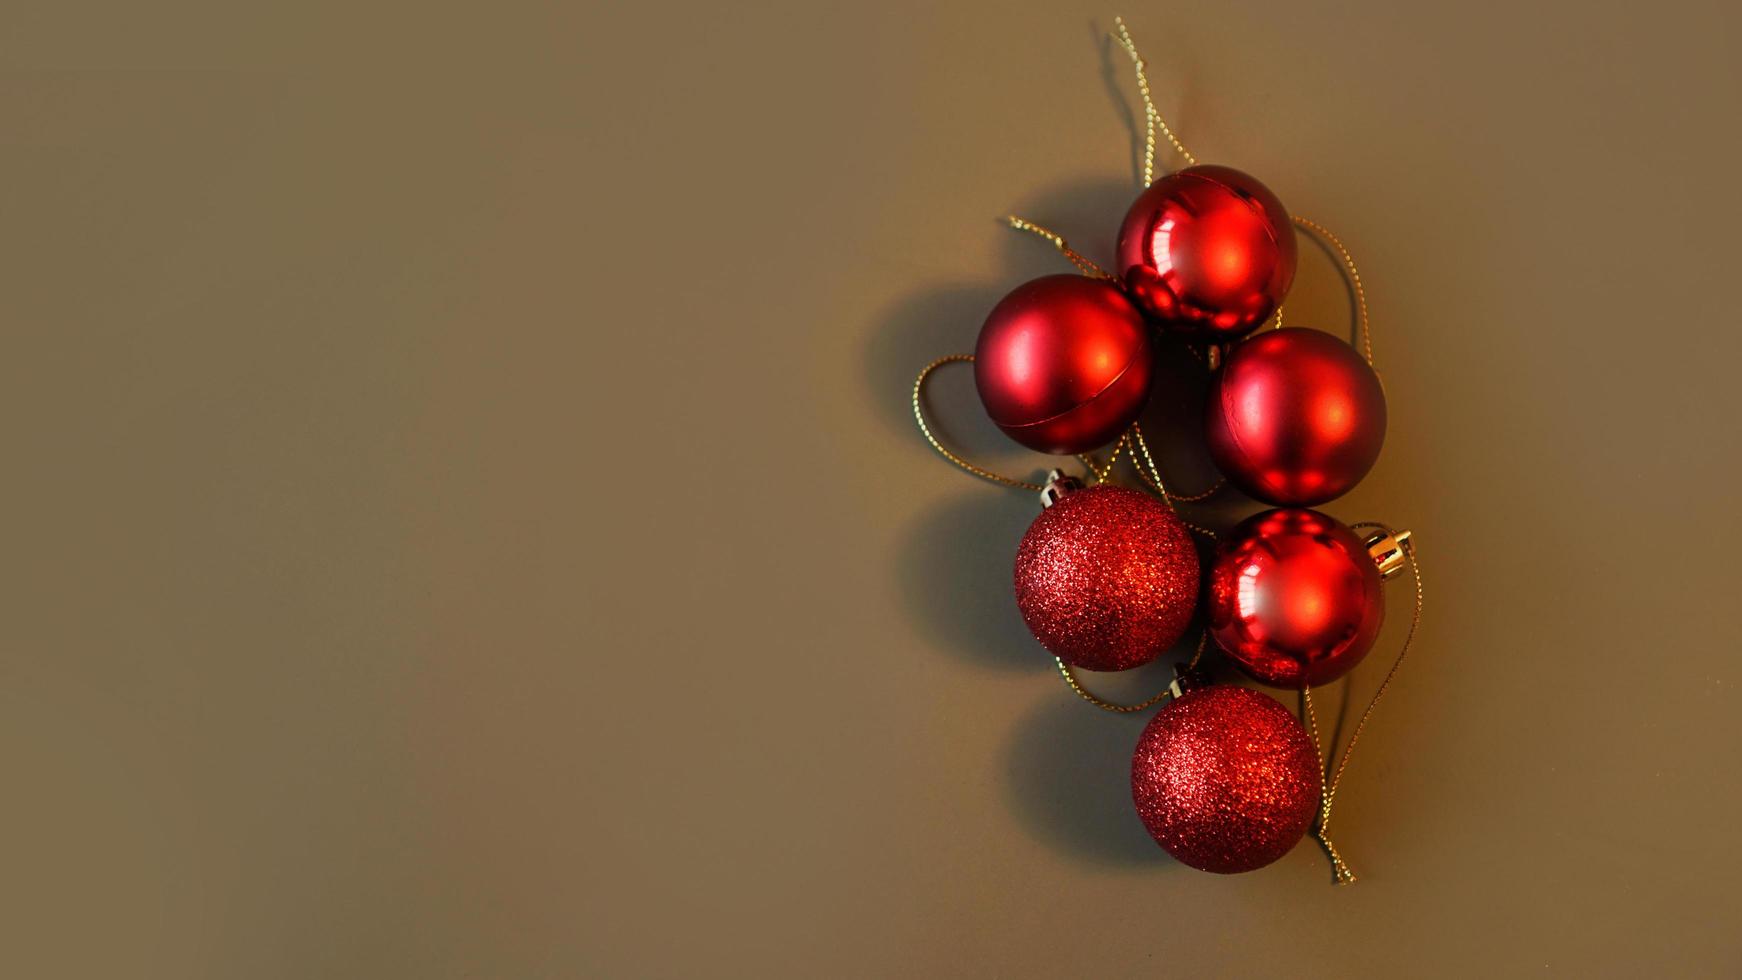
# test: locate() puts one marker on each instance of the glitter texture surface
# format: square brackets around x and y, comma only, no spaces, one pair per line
[1226,779]
[1107,578]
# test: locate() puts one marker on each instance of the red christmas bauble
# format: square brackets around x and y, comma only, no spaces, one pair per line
[1295,417]
[1063,363]
[1225,779]
[1294,598]
[1208,251]
[1107,578]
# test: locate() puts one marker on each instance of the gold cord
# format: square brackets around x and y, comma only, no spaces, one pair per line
[925,430]
[1328,788]
[1125,709]
[1344,874]
[1153,477]
[1104,470]
[1354,280]
[1082,262]
[1151,118]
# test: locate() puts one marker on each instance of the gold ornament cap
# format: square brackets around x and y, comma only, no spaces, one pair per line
[1388,551]
[1057,485]
[1186,678]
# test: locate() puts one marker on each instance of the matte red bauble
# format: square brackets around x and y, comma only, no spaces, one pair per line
[1225,779]
[1208,251]
[1107,578]
[1063,363]
[1294,598]
[1295,417]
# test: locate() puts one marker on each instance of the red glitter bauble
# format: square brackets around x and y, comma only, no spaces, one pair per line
[1294,598]
[1295,417]
[1107,578]
[1225,779]
[1208,251]
[1063,363]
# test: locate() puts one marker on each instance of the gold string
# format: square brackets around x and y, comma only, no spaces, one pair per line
[1105,470]
[1153,478]
[1151,118]
[1328,789]
[1079,260]
[1344,874]
[1125,709]
[925,430]
[1354,280]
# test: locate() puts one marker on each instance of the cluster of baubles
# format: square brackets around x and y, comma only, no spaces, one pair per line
[1107,578]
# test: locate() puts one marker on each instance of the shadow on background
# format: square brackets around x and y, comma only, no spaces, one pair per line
[1069,783]
[922,328]
[956,578]
[1173,422]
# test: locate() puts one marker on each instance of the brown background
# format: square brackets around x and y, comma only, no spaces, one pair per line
[463,518]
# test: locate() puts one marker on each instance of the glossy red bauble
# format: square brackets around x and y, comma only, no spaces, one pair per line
[1295,417]
[1063,363]
[1294,598]
[1225,779]
[1107,578]
[1208,251]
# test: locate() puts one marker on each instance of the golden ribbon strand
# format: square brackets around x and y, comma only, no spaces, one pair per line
[1125,709]
[1344,874]
[1151,117]
[1154,477]
[1354,281]
[1408,638]
[1329,780]
[1103,471]
[925,430]
[1082,262]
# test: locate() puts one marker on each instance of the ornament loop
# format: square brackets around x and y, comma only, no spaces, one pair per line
[1328,795]
[1083,264]
[1354,281]
[1185,678]
[1151,117]
[1344,874]
[1153,478]
[925,430]
[1058,483]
